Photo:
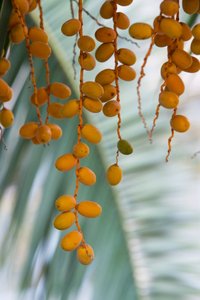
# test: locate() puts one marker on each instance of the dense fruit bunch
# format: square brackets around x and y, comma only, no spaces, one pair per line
[168,32]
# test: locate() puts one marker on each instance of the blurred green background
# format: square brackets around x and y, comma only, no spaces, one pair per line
[146,242]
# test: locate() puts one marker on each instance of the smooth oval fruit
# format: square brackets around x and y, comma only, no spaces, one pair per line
[109,92]
[171,28]
[71,27]
[56,131]
[122,21]
[104,52]
[106,76]
[168,99]
[41,98]
[181,59]
[86,176]
[168,68]
[91,133]
[87,61]
[56,110]
[43,134]
[6,117]
[17,34]
[6,92]
[107,10]
[175,84]
[81,150]
[140,31]
[124,147]
[111,108]
[180,123]
[169,8]
[89,209]
[92,89]
[60,90]
[190,6]
[22,5]
[162,40]
[71,108]
[71,240]
[126,73]
[196,31]
[40,50]
[4,66]
[65,162]
[86,43]
[105,35]
[126,56]
[64,221]
[65,203]
[186,32]
[85,254]
[37,34]
[195,46]
[114,174]
[195,66]
[28,130]
[92,105]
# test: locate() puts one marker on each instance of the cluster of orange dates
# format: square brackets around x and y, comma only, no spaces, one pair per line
[100,95]
[169,32]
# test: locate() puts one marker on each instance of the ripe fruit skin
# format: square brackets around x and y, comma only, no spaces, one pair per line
[169,8]
[81,150]
[124,2]
[64,220]
[111,108]
[28,130]
[85,254]
[180,123]
[89,209]
[71,27]
[70,109]
[71,240]
[124,147]
[92,89]
[60,90]
[40,50]
[106,10]
[42,97]
[87,61]
[104,52]
[6,92]
[56,110]
[122,21]
[195,46]
[195,66]
[168,68]
[65,203]
[162,40]
[86,176]
[56,131]
[4,66]
[126,73]
[109,92]
[43,134]
[37,34]
[171,28]
[126,56]
[91,134]
[65,162]
[140,31]
[106,76]
[23,6]
[114,174]
[105,35]
[17,34]
[190,6]
[92,105]
[181,59]
[168,99]
[196,31]
[186,32]
[175,84]
[86,43]
[6,117]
